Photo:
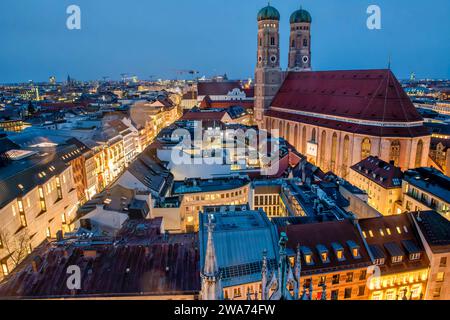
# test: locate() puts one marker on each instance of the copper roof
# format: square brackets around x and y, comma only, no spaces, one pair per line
[137,265]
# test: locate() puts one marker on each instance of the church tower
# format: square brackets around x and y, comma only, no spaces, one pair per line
[300,41]
[268,75]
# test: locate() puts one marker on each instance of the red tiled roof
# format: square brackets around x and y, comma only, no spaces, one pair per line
[361,94]
[217,87]
[372,166]
[352,127]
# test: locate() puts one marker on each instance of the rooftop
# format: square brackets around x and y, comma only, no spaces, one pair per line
[240,237]
[430,180]
[385,174]
[139,262]
[195,185]
[358,95]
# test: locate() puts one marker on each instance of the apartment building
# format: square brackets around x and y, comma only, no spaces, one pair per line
[426,189]
[381,181]
[38,199]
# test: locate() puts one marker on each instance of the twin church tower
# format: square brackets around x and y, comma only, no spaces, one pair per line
[268,75]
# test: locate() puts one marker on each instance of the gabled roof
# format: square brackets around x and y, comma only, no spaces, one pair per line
[327,235]
[217,88]
[392,236]
[355,95]
[379,171]
[360,94]
[435,228]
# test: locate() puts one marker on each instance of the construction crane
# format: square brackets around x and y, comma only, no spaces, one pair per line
[190,72]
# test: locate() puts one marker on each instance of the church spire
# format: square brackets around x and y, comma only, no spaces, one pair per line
[211,282]
[298,270]
[264,276]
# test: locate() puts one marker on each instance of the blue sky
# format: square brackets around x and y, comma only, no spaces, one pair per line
[157,37]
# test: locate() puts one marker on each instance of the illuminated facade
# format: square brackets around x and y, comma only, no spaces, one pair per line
[42,201]
[401,268]
[381,181]
[335,118]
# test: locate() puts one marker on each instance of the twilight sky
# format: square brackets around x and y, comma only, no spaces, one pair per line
[157,37]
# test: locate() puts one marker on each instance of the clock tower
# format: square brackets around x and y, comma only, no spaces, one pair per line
[268,75]
[300,41]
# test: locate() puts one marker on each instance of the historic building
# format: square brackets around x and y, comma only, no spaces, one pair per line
[335,118]
[381,181]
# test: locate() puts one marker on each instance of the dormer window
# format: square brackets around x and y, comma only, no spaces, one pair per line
[307,255]
[323,253]
[354,249]
[397,259]
[414,256]
[338,251]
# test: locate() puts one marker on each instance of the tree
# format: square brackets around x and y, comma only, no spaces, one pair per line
[17,246]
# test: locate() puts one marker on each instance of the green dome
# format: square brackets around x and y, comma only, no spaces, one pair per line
[268,13]
[300,16]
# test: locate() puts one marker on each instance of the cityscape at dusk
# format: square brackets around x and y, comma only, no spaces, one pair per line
[228,151]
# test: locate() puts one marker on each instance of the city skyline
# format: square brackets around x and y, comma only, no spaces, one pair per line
[117,39]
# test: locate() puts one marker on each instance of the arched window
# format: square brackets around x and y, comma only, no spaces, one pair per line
[281,129]
[296,133]
[333,152]
[323,145]
[346,152]
[419,151]
[304,140]
[365,148]
[394,152]
[272,41]
[293,44]
[313,135]
[305,42]
[287,135]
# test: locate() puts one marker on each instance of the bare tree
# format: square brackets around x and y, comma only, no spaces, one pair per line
[17,246]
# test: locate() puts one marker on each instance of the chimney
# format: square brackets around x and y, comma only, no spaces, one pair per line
[59,235]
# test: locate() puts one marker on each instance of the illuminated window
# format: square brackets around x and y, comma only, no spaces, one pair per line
[399,231]
[371,233]
[348,293]
[48,232]
[388,231]
[364,234]
[365,148]
[5,268]
[436,292]
[440,276]
[361,290]
[381,232]
[335,279]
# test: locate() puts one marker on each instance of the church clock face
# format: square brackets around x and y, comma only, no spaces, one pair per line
[305,59]
[273,58]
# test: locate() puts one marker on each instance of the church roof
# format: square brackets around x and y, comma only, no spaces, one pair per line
[361,96]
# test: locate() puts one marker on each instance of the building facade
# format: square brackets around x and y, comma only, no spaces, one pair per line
[335,118]
[381,181]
